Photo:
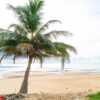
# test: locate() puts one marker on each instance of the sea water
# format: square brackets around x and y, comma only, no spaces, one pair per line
[50,65]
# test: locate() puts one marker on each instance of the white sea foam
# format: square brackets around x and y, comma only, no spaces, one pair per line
[51,65]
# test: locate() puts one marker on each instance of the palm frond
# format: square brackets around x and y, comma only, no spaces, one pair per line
[62,46]
[71,48]
[2,58]
[46,26]
[18,28]
[27,18]
[6,36]
[16,11]
[4,30]
[36,5]
[56,34]
[14,59]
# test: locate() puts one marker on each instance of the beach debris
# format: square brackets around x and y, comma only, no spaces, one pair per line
[14,97]
[46,96]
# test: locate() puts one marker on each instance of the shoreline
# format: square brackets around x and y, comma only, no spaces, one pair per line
[7,74]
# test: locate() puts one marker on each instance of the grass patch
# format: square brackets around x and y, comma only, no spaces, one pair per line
[95,96]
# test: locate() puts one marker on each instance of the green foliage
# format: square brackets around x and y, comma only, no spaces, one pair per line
[94,96]
[39,45]
[29,15]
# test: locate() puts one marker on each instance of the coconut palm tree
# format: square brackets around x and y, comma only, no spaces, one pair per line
[28,38]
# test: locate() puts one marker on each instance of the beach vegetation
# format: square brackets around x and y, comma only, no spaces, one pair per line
[95,96]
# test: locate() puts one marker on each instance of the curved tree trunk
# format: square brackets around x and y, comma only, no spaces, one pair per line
[24,86]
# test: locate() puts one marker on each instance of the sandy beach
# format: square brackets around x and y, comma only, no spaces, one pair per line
[56,83]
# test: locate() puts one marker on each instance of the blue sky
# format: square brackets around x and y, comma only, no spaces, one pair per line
[81,17]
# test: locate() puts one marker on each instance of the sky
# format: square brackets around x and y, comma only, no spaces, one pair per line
[80,17]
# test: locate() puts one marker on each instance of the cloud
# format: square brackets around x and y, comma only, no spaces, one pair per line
[81,17]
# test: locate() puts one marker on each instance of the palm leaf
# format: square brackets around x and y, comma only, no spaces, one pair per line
[63,46]
[55,34]
[16,11]
[71,48]
[36,5]
[18,28]
[2,58]
[45,26]
[4,30]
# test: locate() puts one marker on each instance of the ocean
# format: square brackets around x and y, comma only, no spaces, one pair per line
[50,65]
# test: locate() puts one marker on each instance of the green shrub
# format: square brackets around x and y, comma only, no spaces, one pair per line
[95,96]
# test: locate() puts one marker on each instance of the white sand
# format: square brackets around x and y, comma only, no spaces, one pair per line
[52,82]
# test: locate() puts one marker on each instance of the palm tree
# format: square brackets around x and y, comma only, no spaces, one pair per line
[28,38]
